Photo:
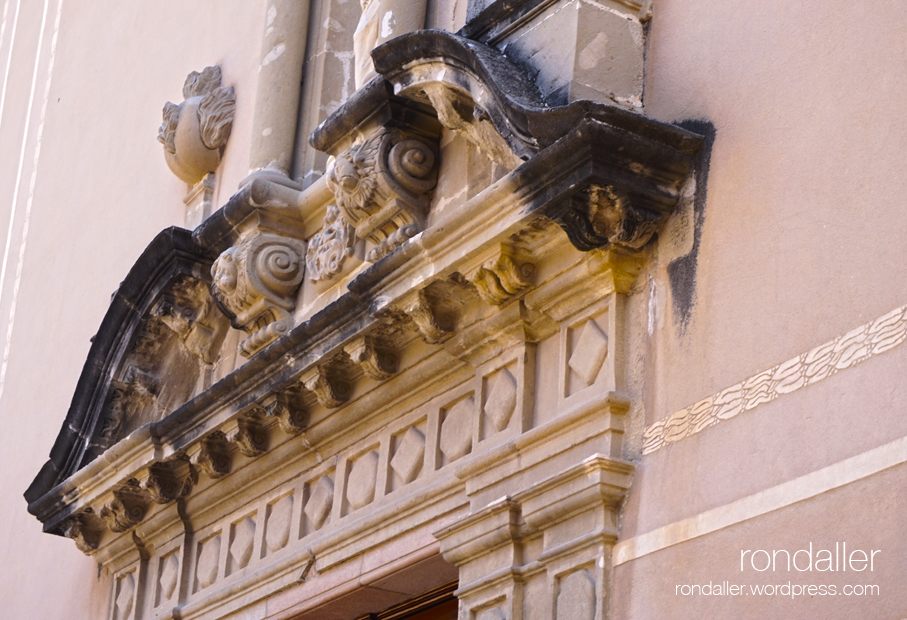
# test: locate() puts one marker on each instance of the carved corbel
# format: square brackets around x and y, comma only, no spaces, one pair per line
[80,529]
[290,417]
[329,391]
[126,510]
[383,188]
[255,284]
[604,215]
[250,436]
[423,315]
[170,480]
[376,360]
[502,278]
[215,457]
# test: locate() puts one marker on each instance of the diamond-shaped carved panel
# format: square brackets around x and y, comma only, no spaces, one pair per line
[243,541]
[589,353]
[576,598]
[501,401]
[407,462]
[456,431]
[126,597]
[170,570]
[360,486]
[318,507]
[208,557]
[277,532]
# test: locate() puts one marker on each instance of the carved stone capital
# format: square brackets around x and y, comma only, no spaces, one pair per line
[383,187]
[376,360]
[329,391]
[255,284]
[125,510]
[289,415]
[215,457]
[195,131]
[170,480]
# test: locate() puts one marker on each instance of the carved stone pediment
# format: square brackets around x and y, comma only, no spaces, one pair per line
[161,331]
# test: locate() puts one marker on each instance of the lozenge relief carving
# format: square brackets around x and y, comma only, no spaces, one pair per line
[195,131]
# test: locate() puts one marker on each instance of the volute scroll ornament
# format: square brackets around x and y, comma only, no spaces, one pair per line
[383,186]
[255,284]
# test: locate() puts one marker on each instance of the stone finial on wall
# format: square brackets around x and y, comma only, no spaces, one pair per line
[194,132]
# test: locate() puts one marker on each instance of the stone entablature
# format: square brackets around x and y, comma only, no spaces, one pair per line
[410,398]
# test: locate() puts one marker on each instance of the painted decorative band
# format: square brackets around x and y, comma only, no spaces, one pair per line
[883,334]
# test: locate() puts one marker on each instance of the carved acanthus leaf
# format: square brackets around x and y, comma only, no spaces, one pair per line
[166,135]
[330,247]
[215,117]
[170,480]
[383,187]
[201,83]
[329,391]
[255,283]
[215,457]
[377,361]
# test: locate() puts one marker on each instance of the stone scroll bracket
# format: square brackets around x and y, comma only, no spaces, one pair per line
[632,167]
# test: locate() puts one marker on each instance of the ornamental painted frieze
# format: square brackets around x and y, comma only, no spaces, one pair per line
[194,132]
[255,284]
[383,186]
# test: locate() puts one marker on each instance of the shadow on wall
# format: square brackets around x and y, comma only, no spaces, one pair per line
[682,271]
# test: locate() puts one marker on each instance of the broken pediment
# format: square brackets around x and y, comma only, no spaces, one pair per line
[161,332]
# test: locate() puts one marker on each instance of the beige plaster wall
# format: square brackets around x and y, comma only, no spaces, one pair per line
[100,193]
[801,242]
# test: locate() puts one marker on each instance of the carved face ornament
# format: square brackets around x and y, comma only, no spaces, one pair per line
[354,175]
[225,273]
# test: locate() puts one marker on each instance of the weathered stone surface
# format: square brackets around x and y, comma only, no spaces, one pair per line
[360,485]
[243,542]
[589,352]
[318,508]
[125,601]
[576,597]
[456,430]
[207,563]
[169,577]
[407,462]
[277,531]
[501,401]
